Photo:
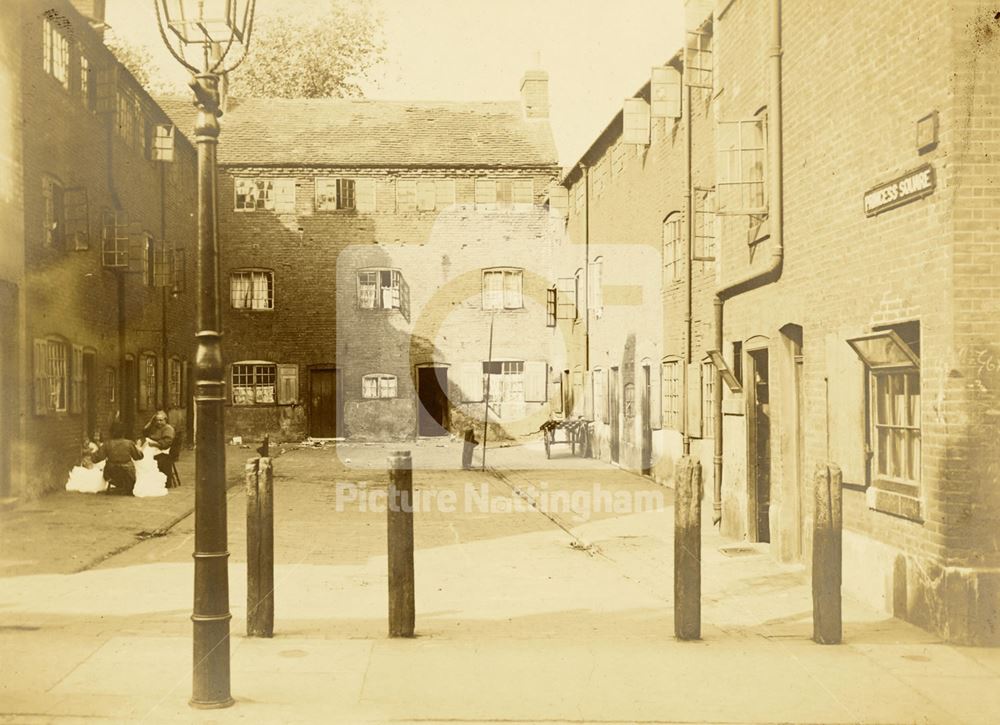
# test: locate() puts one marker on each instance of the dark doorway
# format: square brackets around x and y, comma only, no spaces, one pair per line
[129,396]
[614,414]
[432,413]
[90,393]
[9,403]
[759,447]
[646,422]
[324,403]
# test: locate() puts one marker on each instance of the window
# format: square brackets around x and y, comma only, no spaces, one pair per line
[52,212]
[629,401]
[179,267]
[51,376]
[76,219]
[502,289]
[55,47]
[707,398]
[738,361]
[268,194]
[147,382]
[424,194]
[378,386]
[892,355]
[740,167]
[672,394]
[252,290]
[672,252]
[379,289]
[504,193]
[163,142]
[566,293]
[114,239]
[163,264]
[551,308]
[600,396]
[698,60]
[253,383]
[704,225]
[505,379]
[127,118]
[594,288]
[174,387]
[148,253]
[86,87]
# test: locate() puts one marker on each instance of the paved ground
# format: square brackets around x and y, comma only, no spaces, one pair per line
[522,615]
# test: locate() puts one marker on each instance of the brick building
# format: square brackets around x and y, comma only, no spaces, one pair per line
[97,213]
[368,248]
[853,288]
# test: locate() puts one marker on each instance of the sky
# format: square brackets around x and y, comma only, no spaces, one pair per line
[596,52]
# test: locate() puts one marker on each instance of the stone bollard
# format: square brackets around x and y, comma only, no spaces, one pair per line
[687,550]
[468,448]
[827,557]
[260,547]
[400,541]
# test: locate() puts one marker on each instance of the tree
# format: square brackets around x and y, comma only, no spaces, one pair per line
[139,62]
[304,56]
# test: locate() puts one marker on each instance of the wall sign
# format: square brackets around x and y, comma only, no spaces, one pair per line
[910,186]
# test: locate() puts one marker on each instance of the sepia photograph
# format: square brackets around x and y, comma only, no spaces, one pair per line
[500,361]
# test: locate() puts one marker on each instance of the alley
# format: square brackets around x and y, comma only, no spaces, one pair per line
[523,615]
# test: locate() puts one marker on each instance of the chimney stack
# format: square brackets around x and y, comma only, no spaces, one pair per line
[535,94]
[93,11]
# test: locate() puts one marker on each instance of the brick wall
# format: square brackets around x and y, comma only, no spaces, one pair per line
[316,321]
[69,295]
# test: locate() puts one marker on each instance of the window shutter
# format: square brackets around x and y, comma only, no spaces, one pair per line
[471,375]
[846,426]
[555,394]
[694,396]
[588,395]
[406,194]
[76,388]
[566,300]
[559,201]
[444,193]
[364,195]
[426,194]
[605,402]
[523,193]
[635,120]
[326,194]
[550,307]
[42,398]
[136,250]
[104,93]
[77,214]
[665,91]
[404,298]
[656,396]
[535,374]
[284,195]
[288,384]
[486,193]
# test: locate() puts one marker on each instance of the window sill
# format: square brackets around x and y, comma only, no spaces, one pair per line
[895,499]
[516,310]
[251,309]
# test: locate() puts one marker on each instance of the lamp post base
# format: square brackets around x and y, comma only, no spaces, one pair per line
[211,705]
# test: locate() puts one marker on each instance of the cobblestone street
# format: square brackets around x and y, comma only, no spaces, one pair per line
[522,615]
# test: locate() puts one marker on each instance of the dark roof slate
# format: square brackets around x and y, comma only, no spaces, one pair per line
[349,132]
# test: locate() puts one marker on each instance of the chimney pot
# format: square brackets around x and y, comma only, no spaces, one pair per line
[535,94]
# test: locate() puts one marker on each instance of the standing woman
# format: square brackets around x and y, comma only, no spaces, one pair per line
[120,453]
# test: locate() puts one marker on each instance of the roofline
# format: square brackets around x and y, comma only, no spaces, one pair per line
[588,156]
[548,166]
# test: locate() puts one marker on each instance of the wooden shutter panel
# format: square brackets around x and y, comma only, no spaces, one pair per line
[588,395]
[404,298]
[288,384]
[284,195]
[555,394]
[559,201]
[471,375]
[426,194]
[445,193]
[77,213]
[665,92]
[42,397]
[535,374]
[364,195]
[656,396]
[847,415]
[694,396]
[406,194]
[636,122]
[76,377]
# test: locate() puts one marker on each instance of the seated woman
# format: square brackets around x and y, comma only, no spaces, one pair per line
[119,453]
[159,434]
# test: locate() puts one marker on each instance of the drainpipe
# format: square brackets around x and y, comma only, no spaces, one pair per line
[772,272]
[586,266]
[688,257]
[164,296]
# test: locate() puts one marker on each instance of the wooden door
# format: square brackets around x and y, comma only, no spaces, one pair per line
[614,414]
[646,422]
[324,408]
[759,447]
[432,412]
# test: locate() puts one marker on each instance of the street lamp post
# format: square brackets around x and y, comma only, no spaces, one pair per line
[212,28]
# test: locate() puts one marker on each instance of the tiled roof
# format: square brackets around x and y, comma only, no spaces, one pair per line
[305,132]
